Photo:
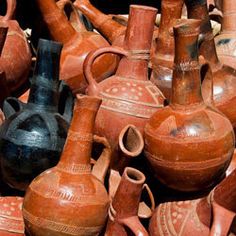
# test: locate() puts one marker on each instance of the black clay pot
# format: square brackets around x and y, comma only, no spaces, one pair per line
[33,134]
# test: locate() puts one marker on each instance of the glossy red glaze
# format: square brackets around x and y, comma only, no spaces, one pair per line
[128,96]
[16,55]
[77,44]
[188,144]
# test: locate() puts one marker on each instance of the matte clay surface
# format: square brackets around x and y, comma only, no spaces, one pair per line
[163,57]
[11,219]
[224,86]
[16,55]
[128,97]
[33,134]
[226,40]
[76,45]
[195,217]
[188,144]
[69,199]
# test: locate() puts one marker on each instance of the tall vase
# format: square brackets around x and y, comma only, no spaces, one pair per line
[128,96]
[163,57]
[188,144]
[76,45]
[33,134]
[69,199]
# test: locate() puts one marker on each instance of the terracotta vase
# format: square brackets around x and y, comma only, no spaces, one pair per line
[76,45]
[124,215]
[163,57]
[16,55]
[11,219]
[212,215]
[128,96]
[224,77]
[112,27]
[226,40]
[70,199]
[33,134]
[188,144]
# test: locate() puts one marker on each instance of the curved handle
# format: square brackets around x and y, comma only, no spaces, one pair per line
[92,88]
[74,17]
[11,8]
[11,105]
[101,166]
[144,211]
[222,220]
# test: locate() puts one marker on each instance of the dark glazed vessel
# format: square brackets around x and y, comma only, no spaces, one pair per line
[76,45]
[226,40]
[70,198]
[33,134]
[123,214]
[188,144]
[224,77]
[128,96]
[11,219]
[16,55]
[163,57]
[210,216]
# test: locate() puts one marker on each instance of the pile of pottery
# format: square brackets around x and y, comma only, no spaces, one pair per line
[117,116]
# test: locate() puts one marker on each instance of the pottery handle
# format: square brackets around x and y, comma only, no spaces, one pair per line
[144,211]
[92,88]
[11,105]
[11,8]
[101,166]
[222,220]
[134,224]
[74,18]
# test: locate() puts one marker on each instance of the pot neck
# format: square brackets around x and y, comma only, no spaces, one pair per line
[130,187]
[109,28]
[170,12]
[186,85]
[78,146]
[229,16]
[138,40]
[45,81]
[198,10]
[59,27]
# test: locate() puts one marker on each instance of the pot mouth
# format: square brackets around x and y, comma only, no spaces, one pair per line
[131,141]
[142,7]
[134,175]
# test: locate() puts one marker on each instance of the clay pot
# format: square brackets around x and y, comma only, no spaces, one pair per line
[188,144]
[11,219]
[33,134]
[226,40]
[124,215]
[76,45]
[163,57]
[16,55]
[212,215]
[70,199]
[111,27]
[224,87]
[128,96]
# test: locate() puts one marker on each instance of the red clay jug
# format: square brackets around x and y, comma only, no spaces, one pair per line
[70,199]
[188,144]
[124,215]
[224,77]
[77,44]
[226,40]
[163,57]
[209,216]
[16,55]
[128,96]
[11,219]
